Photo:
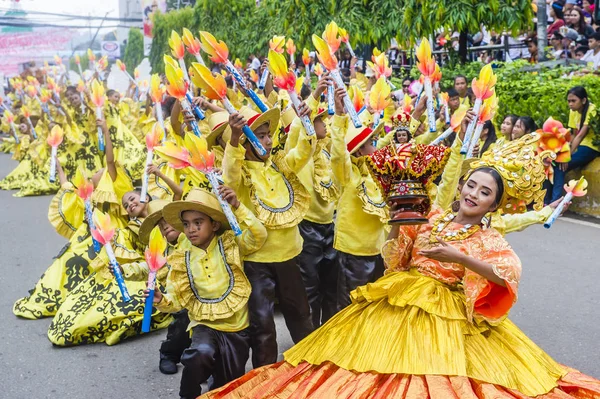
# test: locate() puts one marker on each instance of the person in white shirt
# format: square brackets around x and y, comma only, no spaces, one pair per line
[593,55]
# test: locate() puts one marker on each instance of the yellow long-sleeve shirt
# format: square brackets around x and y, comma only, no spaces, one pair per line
[359,228]
[211,284]
[273,192]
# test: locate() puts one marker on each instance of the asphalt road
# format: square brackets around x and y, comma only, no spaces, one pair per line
[557,308]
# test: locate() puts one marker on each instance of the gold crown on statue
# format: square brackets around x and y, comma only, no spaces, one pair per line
[522,171]
[401,120]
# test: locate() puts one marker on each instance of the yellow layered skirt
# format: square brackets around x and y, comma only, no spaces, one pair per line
[95,312]
[407,336]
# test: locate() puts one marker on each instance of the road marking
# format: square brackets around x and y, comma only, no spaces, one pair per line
[581,222]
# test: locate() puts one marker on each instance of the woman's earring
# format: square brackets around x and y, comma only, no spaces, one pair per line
[455,206]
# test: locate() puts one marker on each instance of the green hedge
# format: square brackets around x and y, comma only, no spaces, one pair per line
[134,52]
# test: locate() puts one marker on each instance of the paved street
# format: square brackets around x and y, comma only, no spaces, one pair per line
[558,308]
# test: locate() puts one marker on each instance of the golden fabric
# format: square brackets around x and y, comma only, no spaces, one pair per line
[360,204]
[66,211]
[210,284]
[111,192]
[283,381]
[272,191]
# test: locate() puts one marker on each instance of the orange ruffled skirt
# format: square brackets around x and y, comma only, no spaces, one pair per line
[407,336]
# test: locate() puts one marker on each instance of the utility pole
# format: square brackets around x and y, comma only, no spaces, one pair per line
[542,29]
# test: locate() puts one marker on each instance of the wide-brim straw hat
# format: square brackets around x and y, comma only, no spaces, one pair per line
[255,119]
[197,200]
[155,213]
[356,137]
[218,122]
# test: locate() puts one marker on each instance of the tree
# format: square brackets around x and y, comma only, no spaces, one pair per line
[134,52]
[161,30]
[422,18]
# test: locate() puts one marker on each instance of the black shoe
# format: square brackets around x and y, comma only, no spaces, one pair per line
[167,366]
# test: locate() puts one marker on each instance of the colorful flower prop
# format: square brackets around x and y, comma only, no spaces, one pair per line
[27,114]
[488,110]
[215,88]
[153,139]
[574,189]
[98,99]
[178,88]
[330,62]
[219,53]
[285,79]
[426,66]
[379,98]
[54,139]
[290,48]
[103,232]
[155,259]
[483,88]
[10,121]
[192,44]
[275,44]
[84,189]
[345,36]
[455,122]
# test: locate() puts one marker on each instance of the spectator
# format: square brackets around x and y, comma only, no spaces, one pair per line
[570,39]
[576,20]
[254,62]
[556,41]
[406,82]
[533,49]
[580,52]
[593,55]
[507,126]
[556,12]
[524,125]
[582,115]
[462,87]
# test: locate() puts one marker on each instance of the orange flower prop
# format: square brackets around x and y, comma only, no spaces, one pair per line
[45,96]
[177,86]
[31,91]
[379,98]
[191,42]
[577,188]
[57,60]
[483,88]
[214,86]
[381,66]
[155,253]
[324,53]
[282,77]
[55,137]
[176,45]
[217,50]
[426,64]
[154,137]
[157,90]
[253,76]
[104,231]
[199,157]
[102,64]
[91,55]
[344,35]
[97,96]
[9,117]
[407,104]
[83,187]
[555,137]
[26,112]
[77,59]
[121,66]
[331,36]
[237,63]
[437,74]
[318,70]
[178,158]
[276,44]
[455,123]
[357,97]
[487,113]
[305,57]
[290,48]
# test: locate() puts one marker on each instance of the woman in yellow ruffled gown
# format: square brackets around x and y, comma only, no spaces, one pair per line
[95,311]
[435,326]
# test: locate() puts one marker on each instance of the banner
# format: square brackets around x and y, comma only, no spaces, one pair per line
[149,7]
[112,49]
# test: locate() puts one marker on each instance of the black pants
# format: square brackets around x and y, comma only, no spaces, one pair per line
[270,280]
[319,272]
[178,338]
[220,354]
[354,271]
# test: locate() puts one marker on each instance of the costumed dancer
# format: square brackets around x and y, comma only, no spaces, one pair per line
[207,279]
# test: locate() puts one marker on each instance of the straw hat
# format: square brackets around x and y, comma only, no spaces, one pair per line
[155,213]
[197,200]
[355,138]
[218,122]
[255,120]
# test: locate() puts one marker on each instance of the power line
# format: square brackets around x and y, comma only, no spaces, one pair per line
[87,17]
[42,25]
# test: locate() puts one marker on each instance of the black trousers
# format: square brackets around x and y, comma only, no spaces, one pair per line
[178,338]
[354,271]
[283,281]
[220,354]
[318,269]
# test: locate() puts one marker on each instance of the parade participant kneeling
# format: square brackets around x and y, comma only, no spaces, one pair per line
[206,278]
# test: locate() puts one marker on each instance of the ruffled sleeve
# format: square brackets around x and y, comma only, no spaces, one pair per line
[111,192]
[66,212]
[485,299]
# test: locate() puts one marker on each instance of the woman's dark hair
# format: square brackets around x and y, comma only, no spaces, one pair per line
[408,134]
[580,28]
[407,79]
[167,105]
[581,93]
[513,118]
[497,178]
[110,92]
[138,190]
[491,137]
[529,124]
[461,77]
[558,10]
[71,88]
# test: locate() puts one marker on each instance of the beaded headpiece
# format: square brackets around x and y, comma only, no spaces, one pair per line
[401,120]
[522,170]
